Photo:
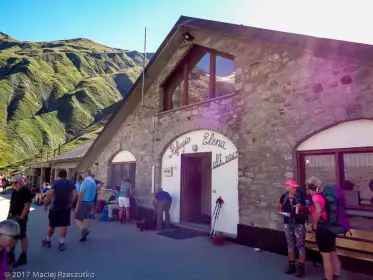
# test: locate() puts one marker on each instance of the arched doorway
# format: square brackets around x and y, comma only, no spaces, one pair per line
[343,155]
[122,167]
[197,168]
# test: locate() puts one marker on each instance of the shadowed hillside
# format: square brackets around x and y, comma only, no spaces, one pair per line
[52,92]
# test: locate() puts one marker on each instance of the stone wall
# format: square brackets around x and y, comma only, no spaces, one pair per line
[282,96]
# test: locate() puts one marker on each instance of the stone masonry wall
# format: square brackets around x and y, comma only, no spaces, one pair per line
[282,96]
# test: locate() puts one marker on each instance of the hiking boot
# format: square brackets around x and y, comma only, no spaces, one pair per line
[46,243]
[11,258]
[301,271]
[84,235]
[291,268]
[22,260]
[61,247]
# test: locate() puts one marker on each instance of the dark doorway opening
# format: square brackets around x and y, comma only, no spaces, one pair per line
[195,196]
[47,175]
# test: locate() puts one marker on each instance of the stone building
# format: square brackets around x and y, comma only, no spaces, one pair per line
[234,111]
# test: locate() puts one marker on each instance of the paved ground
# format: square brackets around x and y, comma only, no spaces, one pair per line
[117,251]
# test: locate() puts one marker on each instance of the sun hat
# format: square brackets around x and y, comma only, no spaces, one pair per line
[291,183]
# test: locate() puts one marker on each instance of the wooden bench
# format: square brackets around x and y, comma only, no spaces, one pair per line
[359,245]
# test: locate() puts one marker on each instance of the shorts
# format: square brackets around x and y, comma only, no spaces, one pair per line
[124,202]
[325,240]
[22,226]
[59,218]
[85,210]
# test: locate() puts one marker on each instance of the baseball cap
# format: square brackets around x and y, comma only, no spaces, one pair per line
[291,183]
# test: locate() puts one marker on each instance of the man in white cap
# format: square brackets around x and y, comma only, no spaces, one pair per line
[19,209]
[9,229]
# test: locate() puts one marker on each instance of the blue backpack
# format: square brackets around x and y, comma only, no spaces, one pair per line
[335,206]
[105,216]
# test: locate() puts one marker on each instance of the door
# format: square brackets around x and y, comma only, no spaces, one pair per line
[121,172]
[190,188]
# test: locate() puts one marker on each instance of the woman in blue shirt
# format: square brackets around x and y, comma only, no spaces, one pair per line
[78,184]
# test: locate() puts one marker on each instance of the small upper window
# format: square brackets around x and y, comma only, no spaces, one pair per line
[199,79]
[224,76]
[203,74]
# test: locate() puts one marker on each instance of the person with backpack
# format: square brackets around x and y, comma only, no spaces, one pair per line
[293,203]
[327,209]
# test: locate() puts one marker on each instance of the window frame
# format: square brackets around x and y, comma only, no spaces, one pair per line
[339,166]
[183,69]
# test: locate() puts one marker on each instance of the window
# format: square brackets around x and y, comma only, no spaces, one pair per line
[199,79]
[321,166]
[350,168]
[224,76]
[203,74]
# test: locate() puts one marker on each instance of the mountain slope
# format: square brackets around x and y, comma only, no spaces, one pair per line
[51,92]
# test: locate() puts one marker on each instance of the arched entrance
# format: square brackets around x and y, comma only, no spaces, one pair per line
[343,155]
[197,168]
[121,167]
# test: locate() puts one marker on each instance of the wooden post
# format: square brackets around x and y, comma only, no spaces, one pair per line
[47,155]
[59,149]
[54,153]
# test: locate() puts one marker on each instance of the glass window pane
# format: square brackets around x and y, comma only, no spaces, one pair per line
[224,76]
[358,189]
[199,78]
[359,177]
[177,95]
[322,167]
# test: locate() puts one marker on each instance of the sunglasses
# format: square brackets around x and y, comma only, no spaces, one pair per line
[9,235]
[13,183]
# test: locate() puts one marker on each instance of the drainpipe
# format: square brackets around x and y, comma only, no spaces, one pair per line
[153,179]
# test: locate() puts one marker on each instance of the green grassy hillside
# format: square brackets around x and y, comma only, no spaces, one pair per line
[57,92]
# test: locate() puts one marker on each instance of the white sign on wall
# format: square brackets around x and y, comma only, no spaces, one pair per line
[224,179]
[167,171]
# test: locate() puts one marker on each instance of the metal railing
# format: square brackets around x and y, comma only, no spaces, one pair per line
[43,156]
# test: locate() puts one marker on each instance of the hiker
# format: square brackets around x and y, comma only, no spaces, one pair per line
[325,239]
[4,184]
[61,195]
[294,203]
[124,201]
[40,196]
[78,184]
[8,230]
[114,203]
[162,203]
[19,209]
[99,184]
[84,204]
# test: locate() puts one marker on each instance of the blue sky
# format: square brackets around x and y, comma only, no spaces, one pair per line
[120,23]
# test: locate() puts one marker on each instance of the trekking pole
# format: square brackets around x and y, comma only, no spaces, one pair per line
[219,203]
